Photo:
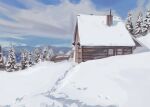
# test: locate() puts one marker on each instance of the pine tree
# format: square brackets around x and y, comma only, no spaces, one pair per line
[24,59]
[144,27]
[11,61]
[147,19]
[30,59]
[45,54]
[51,53]
[129,24]
[139,24]
[37,55]
[1,58]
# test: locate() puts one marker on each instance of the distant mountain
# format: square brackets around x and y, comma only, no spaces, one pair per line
[31,48]
[18,50]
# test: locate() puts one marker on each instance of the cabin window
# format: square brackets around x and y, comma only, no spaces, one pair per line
[119,52]
[127,50]
[110,52]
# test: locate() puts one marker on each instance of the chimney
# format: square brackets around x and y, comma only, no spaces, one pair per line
[109,19]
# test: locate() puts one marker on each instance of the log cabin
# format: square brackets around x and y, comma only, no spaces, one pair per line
[97,37]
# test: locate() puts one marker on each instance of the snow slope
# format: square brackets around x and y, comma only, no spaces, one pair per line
[145,40]
[40,78]
[122,81]
[119,81]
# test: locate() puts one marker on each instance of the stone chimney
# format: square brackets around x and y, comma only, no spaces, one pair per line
[109,19]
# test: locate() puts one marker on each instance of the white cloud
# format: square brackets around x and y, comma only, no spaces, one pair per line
[8,43]
[44,20]
[13,36]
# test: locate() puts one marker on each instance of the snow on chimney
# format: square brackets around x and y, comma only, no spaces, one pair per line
[109,19]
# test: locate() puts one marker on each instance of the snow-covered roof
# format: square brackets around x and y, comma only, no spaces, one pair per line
[93,31]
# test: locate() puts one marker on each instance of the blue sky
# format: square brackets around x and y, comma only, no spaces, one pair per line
[50,22]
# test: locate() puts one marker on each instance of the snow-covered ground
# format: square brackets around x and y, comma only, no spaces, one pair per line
[40,78]
[145,41]
[119,81]
[122,81]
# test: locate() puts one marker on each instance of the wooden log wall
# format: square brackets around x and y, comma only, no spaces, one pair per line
[90,53]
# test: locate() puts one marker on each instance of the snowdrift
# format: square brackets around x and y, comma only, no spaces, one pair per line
[119,81]
[145,41]
[122,81]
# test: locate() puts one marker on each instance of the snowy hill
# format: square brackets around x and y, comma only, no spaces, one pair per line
[145,40]
[116,81]
[40,78]
[119,81]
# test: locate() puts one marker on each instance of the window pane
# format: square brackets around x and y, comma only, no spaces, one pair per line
[110,52]
[119,51]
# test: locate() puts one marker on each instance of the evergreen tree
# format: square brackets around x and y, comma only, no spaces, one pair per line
[11,61]
[139,24]
[144,27]
[129,24]
[24,59]
[147,19]
[51,53]
[37,55]
[1,60]
[30,59]
[45,54]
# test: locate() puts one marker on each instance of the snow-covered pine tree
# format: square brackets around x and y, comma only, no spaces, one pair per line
[129,24]
[11,61]
[1,59]
[144,27]
[24,59]
[138,25]
[30,59]
[51,54]
[147,19]
[45,54]
[37,55]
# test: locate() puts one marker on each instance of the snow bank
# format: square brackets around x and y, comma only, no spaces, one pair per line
[145,40]
[118,81]
[122,81]
[40,78]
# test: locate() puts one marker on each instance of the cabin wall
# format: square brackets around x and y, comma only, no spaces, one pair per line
[78,51]
[77,47]
[91,53]
[79,55]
